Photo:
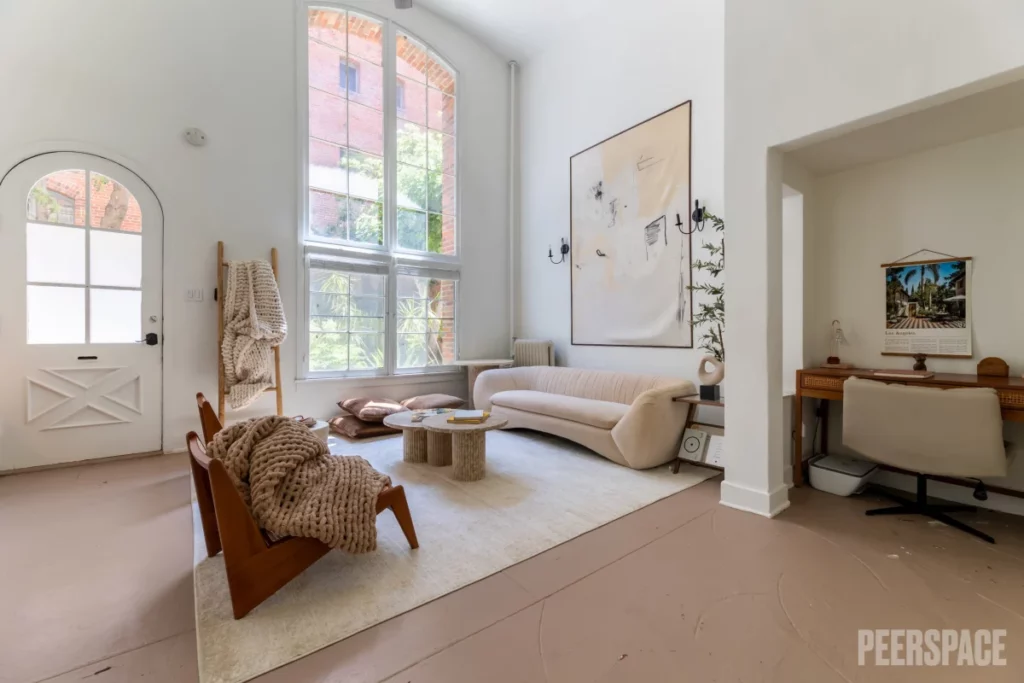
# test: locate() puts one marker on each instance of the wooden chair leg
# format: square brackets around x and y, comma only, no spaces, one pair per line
[204,496]
[394,499]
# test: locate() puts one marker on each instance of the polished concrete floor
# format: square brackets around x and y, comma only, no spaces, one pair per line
[97,585]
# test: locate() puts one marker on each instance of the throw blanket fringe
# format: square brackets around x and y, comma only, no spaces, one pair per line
[254,324]
[295,487]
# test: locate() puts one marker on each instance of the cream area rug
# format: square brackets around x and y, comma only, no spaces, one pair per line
[539,492]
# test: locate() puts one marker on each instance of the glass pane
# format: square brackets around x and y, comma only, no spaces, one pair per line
[440,75]
[112,206]
[442,303]
[115,259]
[327,68]
[434,191]
[412,144]
[325,304]
[321,323]
[412,350]
[365,38]
[328,352]
[448,235]
[367,324]
[323,280]
[115,316]
[411,61]
[328,215]
[58,198]
[412,187]
[327,26]
[365,83]
[54,254]
[411,101]
[366,129]
[366,351]
[441,112]
[448,195]
[328,117]
[442,152]
[56,315]
[366,176]
[366,222]
[409,325]
[435,234]
[363,284]
[365,306]
[328,167]
[412,230]
[410,287]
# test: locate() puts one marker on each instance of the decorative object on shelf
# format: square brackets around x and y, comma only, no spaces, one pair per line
[993,367]
[711,312]
[836,339]
[630,236]
[563,250]
[919,359]
[709,380]
[928,306]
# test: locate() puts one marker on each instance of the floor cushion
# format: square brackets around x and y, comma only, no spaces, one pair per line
[371,409]
[354,428]
[433,401]
[588,411]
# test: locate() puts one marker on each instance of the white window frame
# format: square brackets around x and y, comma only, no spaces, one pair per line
[389,256]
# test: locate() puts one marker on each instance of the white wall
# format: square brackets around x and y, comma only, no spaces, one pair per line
[794,68]
[622,65]
[963,199]
[125,78]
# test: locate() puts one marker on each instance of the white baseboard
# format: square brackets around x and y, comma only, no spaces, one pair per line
[764,503]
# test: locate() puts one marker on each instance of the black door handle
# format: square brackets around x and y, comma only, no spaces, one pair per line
[151,339]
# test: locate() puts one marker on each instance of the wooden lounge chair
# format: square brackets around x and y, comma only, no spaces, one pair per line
[258,567]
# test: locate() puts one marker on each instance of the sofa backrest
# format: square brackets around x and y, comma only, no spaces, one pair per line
[602,385]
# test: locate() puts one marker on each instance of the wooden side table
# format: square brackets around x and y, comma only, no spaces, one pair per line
[691,421]
[475,367]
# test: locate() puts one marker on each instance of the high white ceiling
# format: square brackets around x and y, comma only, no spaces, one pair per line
[516,29]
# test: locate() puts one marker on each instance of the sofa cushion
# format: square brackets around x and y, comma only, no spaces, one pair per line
[588,411]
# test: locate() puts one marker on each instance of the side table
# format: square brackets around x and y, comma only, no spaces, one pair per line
[691,421]
[475,367]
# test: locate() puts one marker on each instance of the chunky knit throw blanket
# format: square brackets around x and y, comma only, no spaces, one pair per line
[254,324]
[295,487]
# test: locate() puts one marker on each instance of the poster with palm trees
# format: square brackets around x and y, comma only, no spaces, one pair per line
[928,308]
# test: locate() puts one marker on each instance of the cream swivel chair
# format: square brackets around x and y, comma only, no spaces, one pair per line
[928,431]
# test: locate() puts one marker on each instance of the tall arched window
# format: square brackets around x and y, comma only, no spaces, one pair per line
[380,216]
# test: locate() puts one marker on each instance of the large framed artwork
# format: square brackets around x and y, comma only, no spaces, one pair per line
[928,308]
[630,236]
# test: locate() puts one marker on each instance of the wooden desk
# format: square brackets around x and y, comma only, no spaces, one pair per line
[827,384]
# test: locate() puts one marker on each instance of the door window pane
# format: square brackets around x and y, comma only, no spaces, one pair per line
[56,315]
[112,206]
[55,254]
[115,259]
[58,198]
[115,316]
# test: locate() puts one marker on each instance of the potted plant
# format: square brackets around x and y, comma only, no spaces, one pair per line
[710,314]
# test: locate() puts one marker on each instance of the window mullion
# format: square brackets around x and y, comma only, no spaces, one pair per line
[390,185]
[88,258]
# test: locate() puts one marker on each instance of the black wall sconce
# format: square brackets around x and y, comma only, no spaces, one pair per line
[698,217]
[563,250]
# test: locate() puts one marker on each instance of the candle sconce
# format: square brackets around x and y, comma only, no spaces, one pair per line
[563,250]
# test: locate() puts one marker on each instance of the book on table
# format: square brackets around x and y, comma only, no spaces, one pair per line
[468,416]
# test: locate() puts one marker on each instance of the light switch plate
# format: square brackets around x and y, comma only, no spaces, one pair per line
[194,295]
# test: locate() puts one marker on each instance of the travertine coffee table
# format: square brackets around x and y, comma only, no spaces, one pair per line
[469,444]
[414,437]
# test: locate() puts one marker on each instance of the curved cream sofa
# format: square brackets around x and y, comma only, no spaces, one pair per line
[629,419]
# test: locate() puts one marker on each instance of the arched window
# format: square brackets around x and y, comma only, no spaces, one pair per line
[380,215]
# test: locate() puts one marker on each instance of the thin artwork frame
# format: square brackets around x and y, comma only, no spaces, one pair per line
[689,233]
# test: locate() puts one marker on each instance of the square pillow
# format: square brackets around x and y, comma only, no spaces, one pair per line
[354,428]
[431,401]
[371,409]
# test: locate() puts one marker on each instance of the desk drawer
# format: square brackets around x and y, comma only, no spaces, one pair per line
[822,383]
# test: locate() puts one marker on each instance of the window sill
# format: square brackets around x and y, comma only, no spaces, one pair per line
[386,380]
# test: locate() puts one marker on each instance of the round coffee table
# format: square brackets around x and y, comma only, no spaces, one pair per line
[469,444]
[414,437]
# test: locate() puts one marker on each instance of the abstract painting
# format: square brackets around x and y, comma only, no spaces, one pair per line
[630,236]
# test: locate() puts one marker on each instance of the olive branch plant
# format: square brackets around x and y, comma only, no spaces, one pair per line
[710,314]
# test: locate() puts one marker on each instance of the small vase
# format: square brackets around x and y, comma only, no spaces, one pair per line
[709,380]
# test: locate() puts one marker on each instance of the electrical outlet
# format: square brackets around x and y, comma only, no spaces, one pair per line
[194,295]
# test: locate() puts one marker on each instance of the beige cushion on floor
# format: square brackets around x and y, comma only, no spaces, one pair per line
[588,411]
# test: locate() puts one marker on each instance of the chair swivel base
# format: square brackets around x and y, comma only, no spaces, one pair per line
[921,506]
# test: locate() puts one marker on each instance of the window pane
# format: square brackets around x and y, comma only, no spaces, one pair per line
[366,129]
[366,176]
[55,254]
[322,323]
[328,215]
[412,230]
[412,105]
[434,192]
[115,259]
[363,285]
[324,66]
[412,187]
[328,167]
[440,75]
[412,144]
[442,152]
[364,306]
[327,26]
[441,234]
[365,38]
[328,352]
[56,315]
[441,112]
[367,324]
[409,325]
[365,83]
[366,351]
[332,281]
[412,350]
[448,195]
[325,304]
[366,224]
[411,61]
[112,206]
[115,316]
[426,321]
[58,198]
[340,302]
[328,117]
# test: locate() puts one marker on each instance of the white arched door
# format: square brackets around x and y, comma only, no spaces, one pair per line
[81,242]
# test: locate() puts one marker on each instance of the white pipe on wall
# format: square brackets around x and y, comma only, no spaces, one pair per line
[513,196]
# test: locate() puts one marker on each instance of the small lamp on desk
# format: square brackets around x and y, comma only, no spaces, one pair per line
[837,339]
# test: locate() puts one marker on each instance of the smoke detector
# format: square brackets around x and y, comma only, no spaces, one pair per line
[403,4]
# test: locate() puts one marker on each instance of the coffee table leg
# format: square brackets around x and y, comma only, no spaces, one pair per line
[469,455]
[414,445]
[439,449]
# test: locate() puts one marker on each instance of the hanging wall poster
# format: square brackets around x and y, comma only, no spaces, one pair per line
[928,308]
[630,236]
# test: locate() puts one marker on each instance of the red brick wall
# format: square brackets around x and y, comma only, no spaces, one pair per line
[71,184]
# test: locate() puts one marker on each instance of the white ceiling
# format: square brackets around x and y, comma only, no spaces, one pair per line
[516,29]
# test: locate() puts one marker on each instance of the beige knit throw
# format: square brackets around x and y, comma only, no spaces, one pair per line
[295,487]
[254,324]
